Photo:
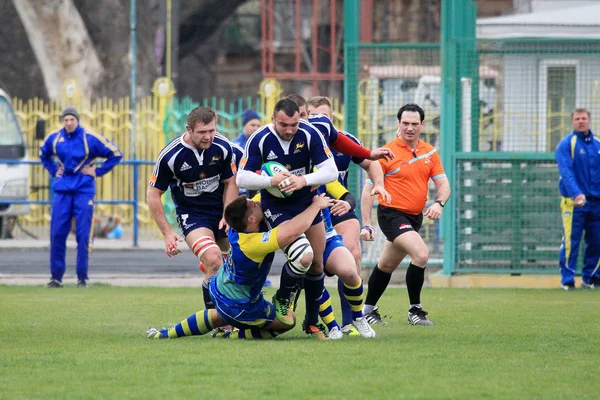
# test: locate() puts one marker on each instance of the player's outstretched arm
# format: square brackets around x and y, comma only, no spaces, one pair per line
[158,214]
[375,172]
[291,230]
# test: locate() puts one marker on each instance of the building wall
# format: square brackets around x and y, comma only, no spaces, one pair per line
[524,103]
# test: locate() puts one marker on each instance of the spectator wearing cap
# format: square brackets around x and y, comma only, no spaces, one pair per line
[69,156]
[250,123]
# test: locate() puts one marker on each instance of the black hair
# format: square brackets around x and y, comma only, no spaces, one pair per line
[301,101]
[411,108]
[289,107]
[236,214]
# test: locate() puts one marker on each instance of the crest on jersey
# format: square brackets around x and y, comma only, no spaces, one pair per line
[288,166]
[214,160]
[299,147]
[202,175]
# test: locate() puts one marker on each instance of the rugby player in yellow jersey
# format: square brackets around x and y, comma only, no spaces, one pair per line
[236,289]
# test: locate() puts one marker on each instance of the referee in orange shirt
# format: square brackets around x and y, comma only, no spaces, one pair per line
[406,180]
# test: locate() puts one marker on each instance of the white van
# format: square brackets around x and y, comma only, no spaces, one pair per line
[14,176]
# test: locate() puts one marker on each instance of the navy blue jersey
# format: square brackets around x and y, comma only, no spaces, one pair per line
[342,161]
[325,126]
[299,155]
[195,178]
[238,153]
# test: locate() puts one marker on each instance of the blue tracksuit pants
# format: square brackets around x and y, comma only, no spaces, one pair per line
[576,220]
[68,205]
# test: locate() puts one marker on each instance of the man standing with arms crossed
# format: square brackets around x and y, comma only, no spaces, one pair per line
[199,168]
[578,159]
[406,179]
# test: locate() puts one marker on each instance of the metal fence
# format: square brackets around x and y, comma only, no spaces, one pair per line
[496,109]
[159,118]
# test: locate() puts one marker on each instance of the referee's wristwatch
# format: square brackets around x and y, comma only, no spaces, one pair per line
[441,203]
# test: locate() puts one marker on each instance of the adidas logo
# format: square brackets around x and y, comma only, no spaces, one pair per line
[271,156]
[185,167]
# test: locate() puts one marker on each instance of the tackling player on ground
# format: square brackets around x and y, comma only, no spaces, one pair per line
[237,287]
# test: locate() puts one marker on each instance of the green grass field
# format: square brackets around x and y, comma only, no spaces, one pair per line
[486,344]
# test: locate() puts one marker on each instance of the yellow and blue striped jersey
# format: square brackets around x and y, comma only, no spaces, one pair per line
[248,263]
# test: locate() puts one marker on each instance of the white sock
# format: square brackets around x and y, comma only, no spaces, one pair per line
[416,305]
[367,309]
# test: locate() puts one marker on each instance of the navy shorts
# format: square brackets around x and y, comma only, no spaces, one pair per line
[191,221]
[394,223]
[257,314]
[277,213]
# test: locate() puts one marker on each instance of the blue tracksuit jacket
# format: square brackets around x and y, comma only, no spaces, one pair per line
[578,159]
[74,192]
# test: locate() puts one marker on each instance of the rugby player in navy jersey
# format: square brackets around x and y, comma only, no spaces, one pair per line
[199,168]
[300,147]
[343,216]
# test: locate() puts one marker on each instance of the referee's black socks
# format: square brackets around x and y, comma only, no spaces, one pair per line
[378,282]
[415,276]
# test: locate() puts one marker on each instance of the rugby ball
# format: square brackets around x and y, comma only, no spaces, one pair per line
[271,168]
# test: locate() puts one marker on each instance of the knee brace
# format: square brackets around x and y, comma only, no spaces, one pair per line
[295,252]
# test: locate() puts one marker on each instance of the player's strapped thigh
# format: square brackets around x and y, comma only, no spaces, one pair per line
[394,223]
[295,251]
[202,245]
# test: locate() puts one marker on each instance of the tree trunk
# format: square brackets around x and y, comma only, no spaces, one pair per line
[61,44]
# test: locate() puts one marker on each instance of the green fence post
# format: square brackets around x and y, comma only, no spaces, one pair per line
[448,131]
[351,54]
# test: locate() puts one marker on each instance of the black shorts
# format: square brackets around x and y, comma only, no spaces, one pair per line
[349,215]
[394,223]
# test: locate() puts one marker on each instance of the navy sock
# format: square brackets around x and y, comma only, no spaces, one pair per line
[208,303]
[313,290]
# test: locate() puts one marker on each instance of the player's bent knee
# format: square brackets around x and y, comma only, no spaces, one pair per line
[213,260]
[307,260]
[420,258]
[299,254]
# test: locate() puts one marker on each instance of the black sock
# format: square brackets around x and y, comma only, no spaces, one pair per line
[378,282]
[415,276]
[313,290]
[289,283]
[208,303]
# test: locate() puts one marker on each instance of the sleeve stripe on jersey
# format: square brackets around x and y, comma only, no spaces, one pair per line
[164,151]
[392,172]
[351,136]
[252,137]
[106,142]
[422,156]
[171,161]
[438,177]
[223,148]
